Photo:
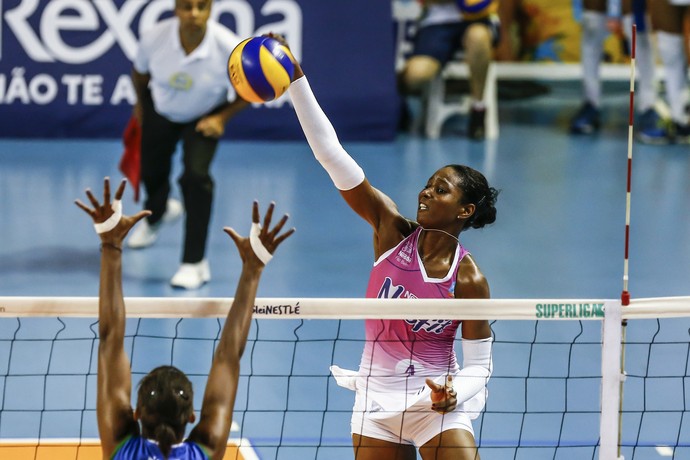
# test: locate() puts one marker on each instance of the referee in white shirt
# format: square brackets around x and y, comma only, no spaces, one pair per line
[183,94]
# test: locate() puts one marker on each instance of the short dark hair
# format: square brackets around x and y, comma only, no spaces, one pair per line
[165,401]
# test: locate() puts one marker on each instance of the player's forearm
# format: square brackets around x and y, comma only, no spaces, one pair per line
[238,321]
[322,138]
[140,83]
[476,368]
[111,306]
[230,109]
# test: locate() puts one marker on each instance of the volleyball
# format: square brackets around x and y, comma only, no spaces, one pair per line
[260,69]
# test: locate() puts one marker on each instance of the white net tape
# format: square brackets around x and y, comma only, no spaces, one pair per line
[344,308]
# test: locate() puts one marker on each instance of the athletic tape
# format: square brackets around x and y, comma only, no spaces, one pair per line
[112,221]
[256,244]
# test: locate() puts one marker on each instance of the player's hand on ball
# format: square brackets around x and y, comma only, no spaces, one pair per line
[261,69]
[297,68]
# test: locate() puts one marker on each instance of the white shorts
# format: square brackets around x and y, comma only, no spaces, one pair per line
[415,426]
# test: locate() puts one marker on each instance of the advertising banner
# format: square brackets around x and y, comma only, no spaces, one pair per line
[65,64]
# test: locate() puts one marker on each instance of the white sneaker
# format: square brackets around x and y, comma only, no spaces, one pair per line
[173,211]
[192,276]
[145,234]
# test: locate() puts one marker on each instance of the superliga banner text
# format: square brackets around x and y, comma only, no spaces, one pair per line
[65,64]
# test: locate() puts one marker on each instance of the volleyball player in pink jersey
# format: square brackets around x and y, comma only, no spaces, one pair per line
[410,391]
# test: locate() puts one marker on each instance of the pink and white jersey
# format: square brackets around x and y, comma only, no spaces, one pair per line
[400,354]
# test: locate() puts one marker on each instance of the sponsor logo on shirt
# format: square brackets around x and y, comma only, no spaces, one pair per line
[389,290]
[392,291]
[435,326]
[405,253]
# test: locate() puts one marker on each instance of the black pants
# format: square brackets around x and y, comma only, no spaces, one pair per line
[159,140]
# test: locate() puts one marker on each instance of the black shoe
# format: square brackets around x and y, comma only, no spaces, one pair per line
[586,120]
[475,130]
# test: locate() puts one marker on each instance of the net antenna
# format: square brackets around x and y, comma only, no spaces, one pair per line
[625,295]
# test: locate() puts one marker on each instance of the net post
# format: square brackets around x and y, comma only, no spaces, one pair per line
[611,381]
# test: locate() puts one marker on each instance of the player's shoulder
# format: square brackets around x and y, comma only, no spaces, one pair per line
[470,281]
[159,32]
[162,26]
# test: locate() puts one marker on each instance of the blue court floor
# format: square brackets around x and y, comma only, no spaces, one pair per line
[559,234]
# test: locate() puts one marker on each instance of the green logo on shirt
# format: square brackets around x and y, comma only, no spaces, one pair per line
[181,81]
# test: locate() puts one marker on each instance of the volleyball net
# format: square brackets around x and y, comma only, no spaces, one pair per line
[557,390]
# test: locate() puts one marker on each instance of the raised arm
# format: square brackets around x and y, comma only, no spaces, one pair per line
[113,403]
[370,203]
[219,397]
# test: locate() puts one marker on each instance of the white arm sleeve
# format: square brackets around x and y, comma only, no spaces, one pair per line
[477,366]
[322,138]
